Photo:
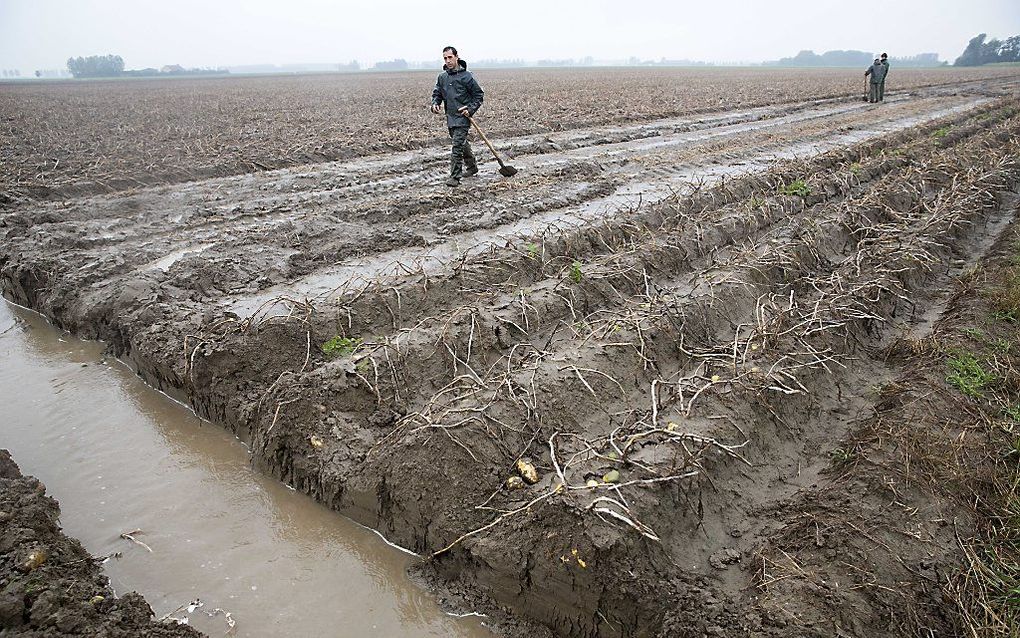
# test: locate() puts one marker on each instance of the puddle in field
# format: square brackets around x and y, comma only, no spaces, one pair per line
[636,191]
[165,262]
[119,456]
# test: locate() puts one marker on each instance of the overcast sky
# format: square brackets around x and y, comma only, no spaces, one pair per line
[42,34]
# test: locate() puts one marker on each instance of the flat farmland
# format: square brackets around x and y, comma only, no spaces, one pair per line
[69,138]
[683,375]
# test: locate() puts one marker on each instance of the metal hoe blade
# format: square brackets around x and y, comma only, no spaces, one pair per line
[504,170]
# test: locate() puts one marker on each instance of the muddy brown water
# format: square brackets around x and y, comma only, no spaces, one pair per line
[119,456]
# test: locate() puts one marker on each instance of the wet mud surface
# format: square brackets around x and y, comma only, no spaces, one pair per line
[596,395]
[69,139]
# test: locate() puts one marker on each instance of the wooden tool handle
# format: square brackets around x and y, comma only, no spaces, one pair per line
[487,142]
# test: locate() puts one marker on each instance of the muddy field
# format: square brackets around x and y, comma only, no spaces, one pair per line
[63,139]
[660,383]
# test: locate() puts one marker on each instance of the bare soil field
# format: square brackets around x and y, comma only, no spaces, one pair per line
[70,138]
[684,375]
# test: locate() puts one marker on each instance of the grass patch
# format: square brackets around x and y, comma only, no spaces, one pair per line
[974,334]
[798,188]
[842,456]
[575,273]
[1000,345]
[341,346]
[941,132]
[967,374]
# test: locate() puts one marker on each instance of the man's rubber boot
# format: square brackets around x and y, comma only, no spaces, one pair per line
[471,171]
[452,181]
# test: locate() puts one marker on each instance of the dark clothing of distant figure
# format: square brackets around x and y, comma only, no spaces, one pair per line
[877,72]
[455,89]
[881,85]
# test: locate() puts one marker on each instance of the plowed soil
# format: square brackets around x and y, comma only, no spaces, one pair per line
[611,396]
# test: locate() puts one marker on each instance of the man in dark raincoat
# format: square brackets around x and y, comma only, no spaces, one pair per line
[877,72]
[458,90]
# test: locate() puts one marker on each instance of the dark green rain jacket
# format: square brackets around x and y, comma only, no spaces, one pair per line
[877,72]
[456,89]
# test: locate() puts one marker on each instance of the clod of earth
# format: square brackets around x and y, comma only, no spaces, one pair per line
[724,558]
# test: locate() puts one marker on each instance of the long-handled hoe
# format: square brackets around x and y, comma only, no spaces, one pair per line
[504,170]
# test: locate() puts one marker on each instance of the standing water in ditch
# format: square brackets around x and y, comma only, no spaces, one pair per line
[119,456]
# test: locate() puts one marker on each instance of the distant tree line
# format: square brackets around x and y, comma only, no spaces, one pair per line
[399,64]
[170,69]
[921,59]
[829,58]
[980,52]
[96,66]
[11,73]
[493,63]
[853,58]
[112,66]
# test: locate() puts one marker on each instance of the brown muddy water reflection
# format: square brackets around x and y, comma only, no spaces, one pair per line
[120,456]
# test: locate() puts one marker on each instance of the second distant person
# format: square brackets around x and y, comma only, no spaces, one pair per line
[877,72]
